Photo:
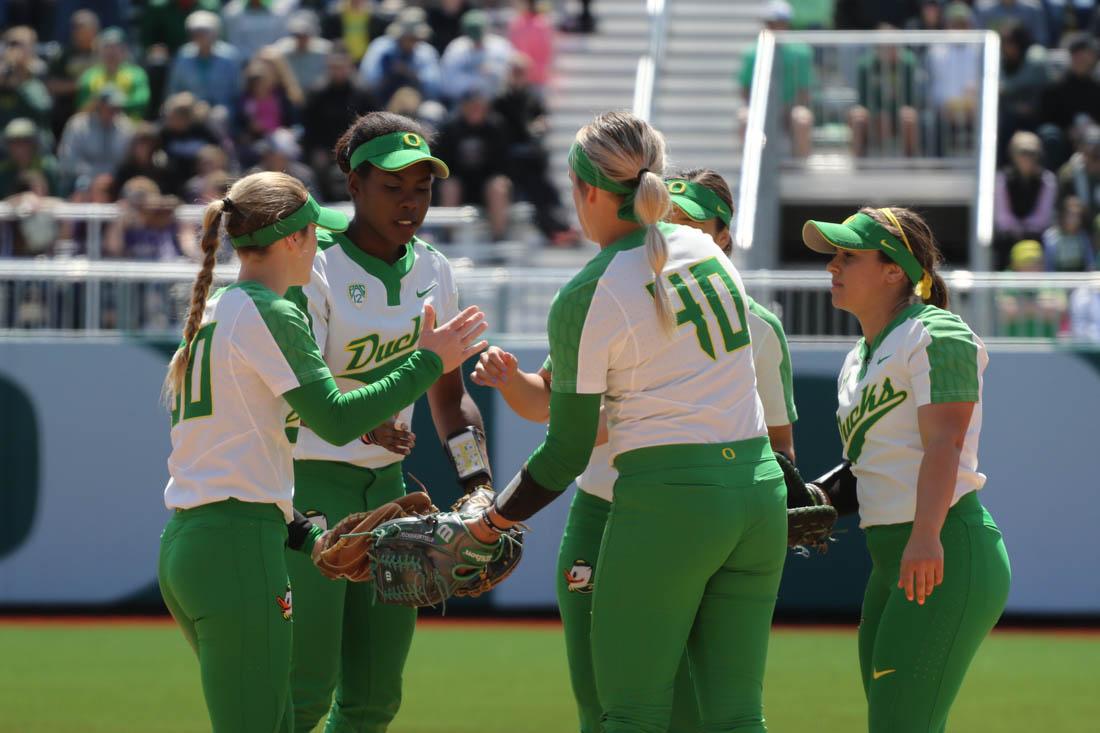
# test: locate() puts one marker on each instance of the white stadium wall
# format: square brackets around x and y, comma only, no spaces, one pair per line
[84,444]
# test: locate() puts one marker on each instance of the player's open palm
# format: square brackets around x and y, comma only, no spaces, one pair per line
[495,368]
[454,341]
[921,567]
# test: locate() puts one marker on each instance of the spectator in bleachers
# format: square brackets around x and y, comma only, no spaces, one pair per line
[993,13]
[206,67]
[96,140]
[210,160]
[349,21]
[1072,99]
[402,58]
[472,144]
[584,22]
[145,159]
[532,34]
[1024,196]
[955,71]
[868,15]
[1024,76]
[1029,312]
[280,152]
[24,154]
[445,19]
[146,228]
[35,232]
[885,120]
[477,58]
[1068,246]
[1084,314]
[796,61]
[183,134]
[304,51]
[1080,176]
[76,57]
[929,18]
[163,22]
[212,186]
[812,15]
[266,104]
[333,106]
[524,116]
[110,13]
[252,24]
[113,69]
[22,93]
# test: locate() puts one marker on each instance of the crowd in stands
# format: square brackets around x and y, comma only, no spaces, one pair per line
[153,103]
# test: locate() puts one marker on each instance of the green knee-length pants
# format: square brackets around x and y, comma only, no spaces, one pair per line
[913,658]
[691,557]
[349,652]
[222,574]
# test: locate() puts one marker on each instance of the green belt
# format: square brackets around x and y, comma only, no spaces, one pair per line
[681,455]
[233,508]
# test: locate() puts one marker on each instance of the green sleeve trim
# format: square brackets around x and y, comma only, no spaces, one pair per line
[565,324]
[390,275]
[310,540]
[296,295]
[340,418]
[574,421]
[785,372]
[548,364]
[952,357]
[291,331]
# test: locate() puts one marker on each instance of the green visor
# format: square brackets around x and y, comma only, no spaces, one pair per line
[698,201]
[860,232]
[308,213]
[397,151]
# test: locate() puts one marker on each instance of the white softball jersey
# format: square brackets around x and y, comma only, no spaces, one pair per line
[366,316]
[228,438]
[924,356]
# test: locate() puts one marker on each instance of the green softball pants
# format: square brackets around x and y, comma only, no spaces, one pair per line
[913,658]
[222,573]
[349,652]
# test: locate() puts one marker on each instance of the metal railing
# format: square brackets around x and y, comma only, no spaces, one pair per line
[150,299]
[649,65]
[889,106]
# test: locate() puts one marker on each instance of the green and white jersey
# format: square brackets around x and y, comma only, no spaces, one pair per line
[926,355]
[366,316]
[694,386]
[228,439]
[774,383]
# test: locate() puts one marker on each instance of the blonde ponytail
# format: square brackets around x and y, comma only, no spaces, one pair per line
[651,205]
[177,368]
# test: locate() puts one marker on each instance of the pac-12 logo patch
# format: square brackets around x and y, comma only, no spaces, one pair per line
[357,293]
[286,604]
[579,577]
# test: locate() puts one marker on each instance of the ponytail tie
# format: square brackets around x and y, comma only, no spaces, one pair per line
[638,180]
[227,204]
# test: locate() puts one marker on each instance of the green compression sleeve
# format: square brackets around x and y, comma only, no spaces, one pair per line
[574,420]
[340,418]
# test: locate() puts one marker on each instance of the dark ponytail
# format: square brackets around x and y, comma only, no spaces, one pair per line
[923,243]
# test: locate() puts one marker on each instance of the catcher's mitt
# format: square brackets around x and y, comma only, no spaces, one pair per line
[493,574]
[345,550]
[810,516]
[423,561]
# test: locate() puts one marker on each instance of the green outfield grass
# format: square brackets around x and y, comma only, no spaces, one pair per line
[122,678]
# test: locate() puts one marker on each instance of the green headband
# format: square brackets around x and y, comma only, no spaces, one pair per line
[397,151]
[698,201]
[588,172]
[861,232]
[308,213]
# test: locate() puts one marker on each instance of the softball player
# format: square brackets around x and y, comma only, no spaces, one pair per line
[688,440]
[701,199]
[246,354]
[364,300]
[910,412]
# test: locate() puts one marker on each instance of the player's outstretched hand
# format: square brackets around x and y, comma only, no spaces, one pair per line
[921,567]
[495,368]
[393,436]
[454,341]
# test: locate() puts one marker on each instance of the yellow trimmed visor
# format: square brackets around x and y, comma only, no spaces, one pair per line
[697,201]
[861,233]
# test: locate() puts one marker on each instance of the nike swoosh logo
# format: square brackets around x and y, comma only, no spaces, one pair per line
[883,359]
[886,244]
[876,674]
[422,293]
